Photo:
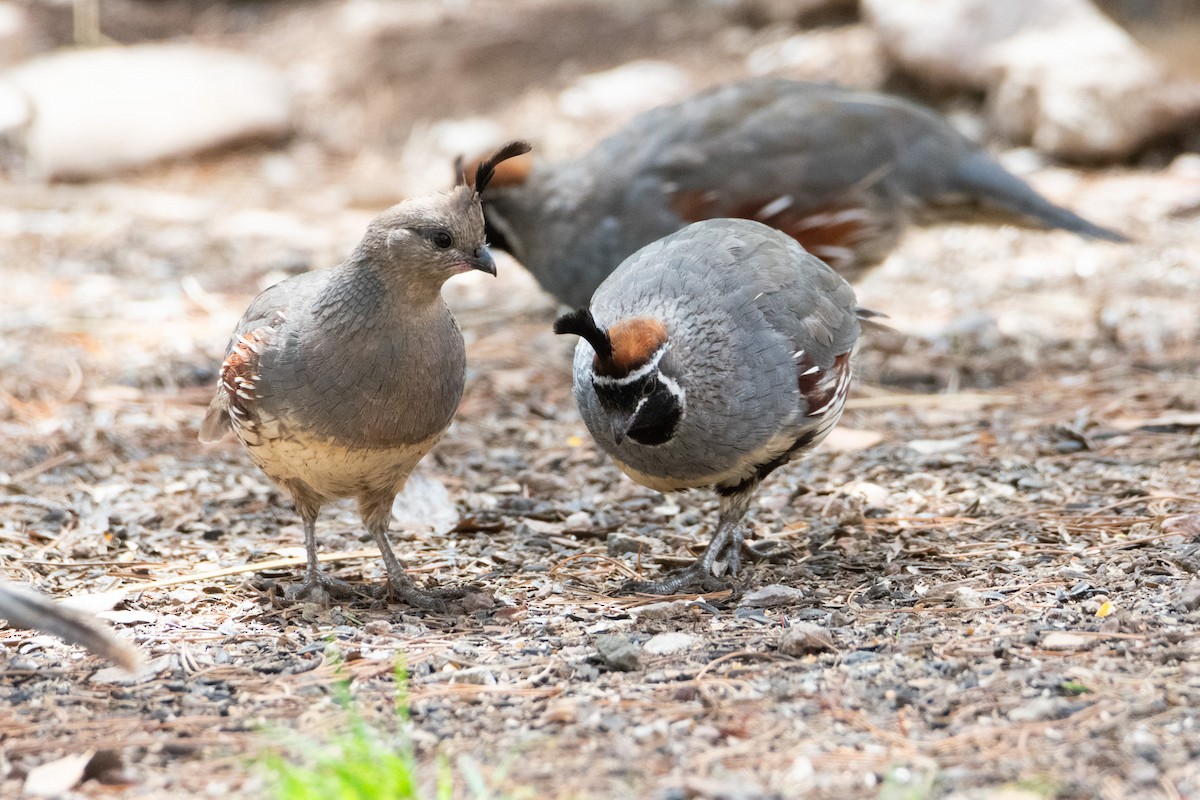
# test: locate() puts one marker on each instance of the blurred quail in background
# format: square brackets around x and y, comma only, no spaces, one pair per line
[711,358]
[26,609]
[339,381]
[840,171]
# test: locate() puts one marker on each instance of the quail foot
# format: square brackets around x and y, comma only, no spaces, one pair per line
[839,170]
[709,359]
[339,381]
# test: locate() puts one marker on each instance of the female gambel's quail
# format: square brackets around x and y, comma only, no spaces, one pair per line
[711,358]
[838,170]
[339,381]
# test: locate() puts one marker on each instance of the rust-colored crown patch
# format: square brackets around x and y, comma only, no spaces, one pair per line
[634,341]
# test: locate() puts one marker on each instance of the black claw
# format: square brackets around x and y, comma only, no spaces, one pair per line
[431,599]
[320,589]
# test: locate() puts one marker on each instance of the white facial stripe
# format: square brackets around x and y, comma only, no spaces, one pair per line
[637,374]
[672,387]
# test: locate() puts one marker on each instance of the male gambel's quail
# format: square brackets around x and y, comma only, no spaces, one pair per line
[710,358]
[27,609]
[339,381]
[841,171]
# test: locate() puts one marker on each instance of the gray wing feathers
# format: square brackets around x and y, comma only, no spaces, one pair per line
[268,309]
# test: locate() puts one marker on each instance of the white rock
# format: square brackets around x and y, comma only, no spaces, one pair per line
[1094,97]
[668,642]
[624,90]
[948,43]
[927,447]
[774,594]
[871,493]
[1058,73]
[99,111]
[57,777]
[424,505]
[1066,640]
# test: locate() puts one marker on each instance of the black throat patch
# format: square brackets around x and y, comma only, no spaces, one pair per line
[654,411]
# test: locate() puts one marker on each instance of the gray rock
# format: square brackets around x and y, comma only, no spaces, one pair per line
[803,638]
[617,652]
[1189,598]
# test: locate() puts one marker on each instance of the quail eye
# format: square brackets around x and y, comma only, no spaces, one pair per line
[441,240]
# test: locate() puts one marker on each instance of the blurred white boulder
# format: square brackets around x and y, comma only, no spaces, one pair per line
[1058,73]
[624,91]
[94,112]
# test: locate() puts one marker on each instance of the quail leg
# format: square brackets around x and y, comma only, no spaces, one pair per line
[727,540]
[376,513]
[317,587]
[699,576]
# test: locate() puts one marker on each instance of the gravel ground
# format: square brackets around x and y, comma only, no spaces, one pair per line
[985,583]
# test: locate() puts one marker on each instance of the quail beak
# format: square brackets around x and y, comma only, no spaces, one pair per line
[618,426]
[482,261]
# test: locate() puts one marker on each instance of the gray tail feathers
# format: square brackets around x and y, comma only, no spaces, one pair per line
[981,177]
[23,609]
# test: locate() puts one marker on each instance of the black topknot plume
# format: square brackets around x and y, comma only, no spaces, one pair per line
[581,323]
[487,167]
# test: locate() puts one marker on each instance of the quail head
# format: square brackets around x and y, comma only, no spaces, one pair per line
[711,358]
[339,381]
[26,609]
[841,171]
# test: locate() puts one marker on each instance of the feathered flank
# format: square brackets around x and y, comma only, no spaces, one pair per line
[581,323]
[487,167]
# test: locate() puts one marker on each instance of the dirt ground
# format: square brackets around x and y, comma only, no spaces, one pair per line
[992,566]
